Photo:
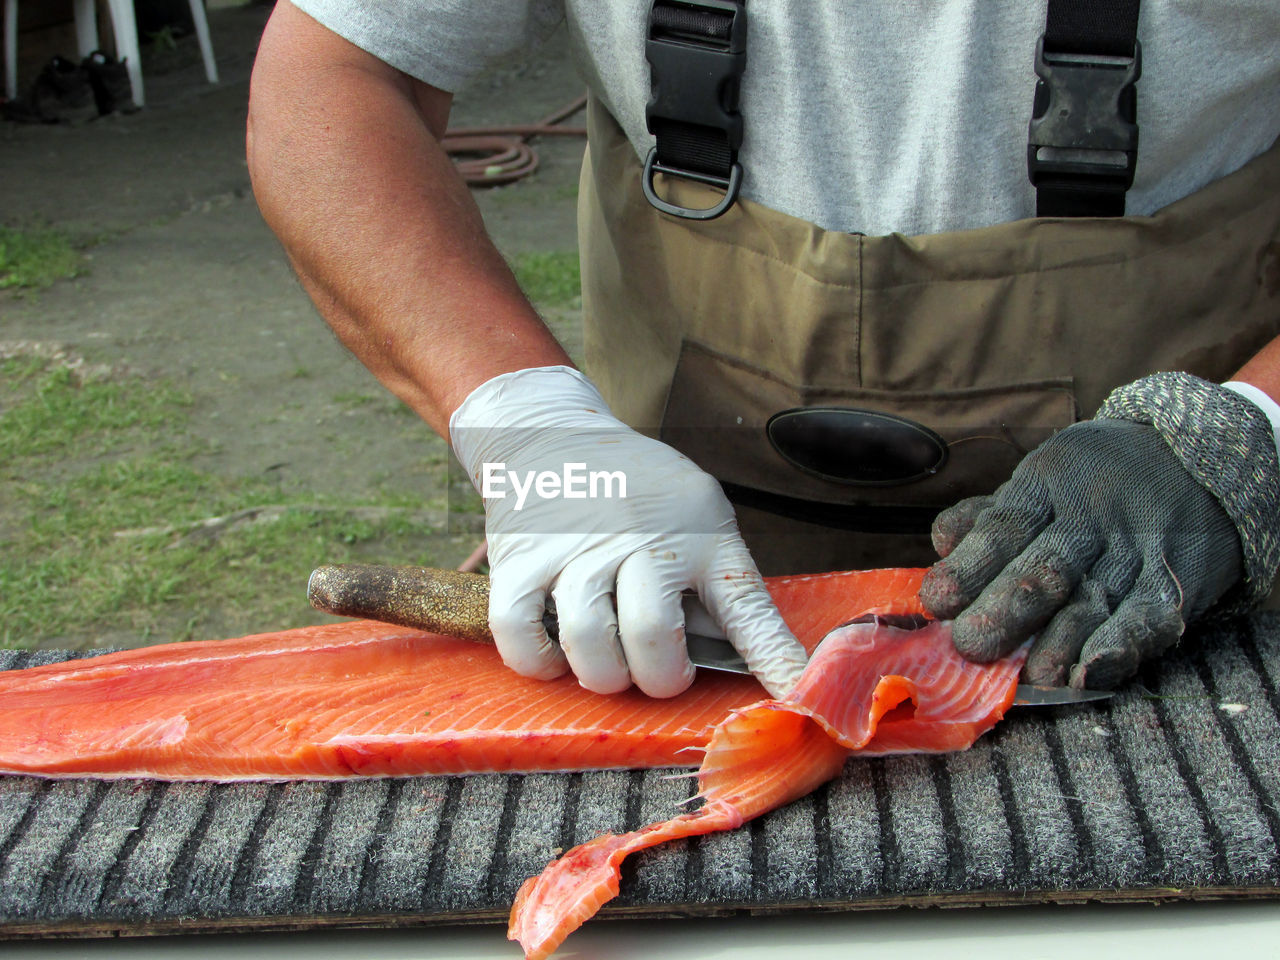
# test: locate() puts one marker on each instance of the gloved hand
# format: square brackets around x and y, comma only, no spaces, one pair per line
[1115,533]
[673,530]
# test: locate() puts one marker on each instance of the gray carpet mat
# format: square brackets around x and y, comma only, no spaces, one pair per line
[1171,790]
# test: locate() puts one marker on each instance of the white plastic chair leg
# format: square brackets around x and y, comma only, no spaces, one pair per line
[86,27]
[10,49]
[206,45]
[125,27]
[86,38]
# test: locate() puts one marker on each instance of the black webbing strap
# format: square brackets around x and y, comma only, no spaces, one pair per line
[697,51]
[1103,27]
[1082,146]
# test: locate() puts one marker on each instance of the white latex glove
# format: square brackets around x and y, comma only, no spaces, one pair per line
[673,530]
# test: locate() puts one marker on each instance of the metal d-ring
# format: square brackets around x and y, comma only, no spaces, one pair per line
[730,186]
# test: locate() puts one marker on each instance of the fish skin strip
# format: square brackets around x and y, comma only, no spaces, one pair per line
[367,699]
[869,689]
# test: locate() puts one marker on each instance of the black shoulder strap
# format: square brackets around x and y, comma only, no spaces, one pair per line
[1082,146]
[697,51]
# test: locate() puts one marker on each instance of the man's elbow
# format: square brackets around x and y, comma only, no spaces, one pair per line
[297,57]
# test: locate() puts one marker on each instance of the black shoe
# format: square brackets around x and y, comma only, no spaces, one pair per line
[109,78]
[61,94]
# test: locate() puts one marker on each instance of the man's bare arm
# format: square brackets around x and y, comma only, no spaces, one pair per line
[347,170]
[1263,370]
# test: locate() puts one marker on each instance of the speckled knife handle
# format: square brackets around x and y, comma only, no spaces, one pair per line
[442,601]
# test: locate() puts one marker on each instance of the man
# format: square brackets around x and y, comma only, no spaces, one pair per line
[883,257]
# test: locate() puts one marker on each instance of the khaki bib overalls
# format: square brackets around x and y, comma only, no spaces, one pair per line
[698,332]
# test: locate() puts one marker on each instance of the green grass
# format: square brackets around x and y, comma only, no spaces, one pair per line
[383,402]
[549,279]
[101,510]
[34,259]
[353,400]
[61,411]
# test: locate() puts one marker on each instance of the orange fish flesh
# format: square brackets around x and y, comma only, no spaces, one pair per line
[367,699]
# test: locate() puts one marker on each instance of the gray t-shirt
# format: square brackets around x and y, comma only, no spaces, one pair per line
[884,116]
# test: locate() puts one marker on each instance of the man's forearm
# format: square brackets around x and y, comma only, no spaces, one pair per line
[347,170]
[1263,370]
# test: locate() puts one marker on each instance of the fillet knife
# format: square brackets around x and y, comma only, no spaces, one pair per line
[457,605]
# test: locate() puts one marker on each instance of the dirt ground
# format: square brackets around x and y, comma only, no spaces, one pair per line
[185,281]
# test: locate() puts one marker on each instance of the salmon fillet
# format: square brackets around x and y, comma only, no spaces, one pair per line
[367,699]
[362,698]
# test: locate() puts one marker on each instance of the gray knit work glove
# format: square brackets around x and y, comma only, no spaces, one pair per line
[1115,533]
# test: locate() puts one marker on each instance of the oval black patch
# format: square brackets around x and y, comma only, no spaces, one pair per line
[856,447]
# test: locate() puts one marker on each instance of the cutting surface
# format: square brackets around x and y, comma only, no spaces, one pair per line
[1172,790]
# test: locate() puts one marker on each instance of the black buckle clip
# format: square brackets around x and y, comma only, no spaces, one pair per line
[697,51]
[1083,134]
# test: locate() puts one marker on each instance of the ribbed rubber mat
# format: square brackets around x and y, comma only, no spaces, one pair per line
[1171,790]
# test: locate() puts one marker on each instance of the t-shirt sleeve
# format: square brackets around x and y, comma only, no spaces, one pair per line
[442,42]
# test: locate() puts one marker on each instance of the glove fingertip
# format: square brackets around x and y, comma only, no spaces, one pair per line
[541,664]
[979,638]
[783,676]
[1045,673]
[672,683]
[1105,671]
[953,524]
[522,640]
[755,627]
[940,592]
[1145,625]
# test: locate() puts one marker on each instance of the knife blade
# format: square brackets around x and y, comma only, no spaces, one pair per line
[457,604]
[1038,695]
[716,654]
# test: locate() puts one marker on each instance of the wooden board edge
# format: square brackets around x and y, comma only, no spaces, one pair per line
[122,928]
